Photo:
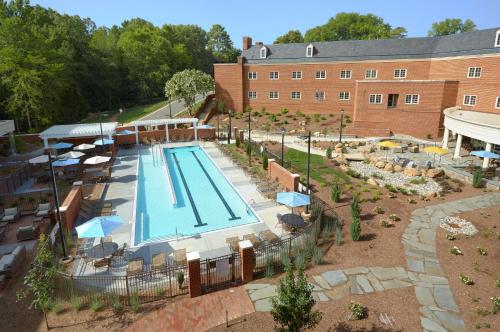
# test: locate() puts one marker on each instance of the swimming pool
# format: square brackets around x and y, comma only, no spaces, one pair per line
[181,192]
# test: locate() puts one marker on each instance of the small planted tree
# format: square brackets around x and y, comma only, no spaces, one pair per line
[477,179]
[356,218]
[186,85]
[336,192]
[237,141]
[292,307]
[180,278]
[265,162]
[329,152]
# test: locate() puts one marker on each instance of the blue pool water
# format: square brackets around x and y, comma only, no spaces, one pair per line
[200,199]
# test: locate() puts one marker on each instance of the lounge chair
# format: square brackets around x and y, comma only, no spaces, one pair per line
[103,262]
[253,239]
[159,260]
[10,215]
[27,232]
[180,257]
[43,210]
[12,262]
[269,236]
[135,266]
[233,243]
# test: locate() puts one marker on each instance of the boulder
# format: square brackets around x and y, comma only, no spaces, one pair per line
[339,145]
[413,149]
[372,181]
[423,173]
[410,172]
[430,195]
[398,168]
[435,172]
[341,160]
[316,134]
[343,167]
[389,167]
[380,164]
[373,160]
[355,156]
[339,150]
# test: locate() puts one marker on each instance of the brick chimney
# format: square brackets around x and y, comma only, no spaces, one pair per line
[247,42]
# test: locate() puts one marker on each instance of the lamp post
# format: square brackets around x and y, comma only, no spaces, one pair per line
[170,107]
[218,133]
[230,112]
[341,124]
[283,131]
[308,165]
[56,197]
[249,141]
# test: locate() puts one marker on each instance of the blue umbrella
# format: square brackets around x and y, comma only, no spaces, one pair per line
[485,154]
[99,226]
[293,199]
[126,132]
[61,145]
[103,142]
[205,127]
[65,162]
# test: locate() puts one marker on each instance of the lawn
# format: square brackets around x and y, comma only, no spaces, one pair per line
[137,112]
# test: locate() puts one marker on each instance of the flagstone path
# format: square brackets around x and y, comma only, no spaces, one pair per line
[438,309]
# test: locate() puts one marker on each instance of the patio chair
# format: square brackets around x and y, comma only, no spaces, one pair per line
[180,257]
[27,232]
[135,266]
[159,261]
[269,236]
[103,262]
[10,215]
[256,242]
[233,243]
[43,210]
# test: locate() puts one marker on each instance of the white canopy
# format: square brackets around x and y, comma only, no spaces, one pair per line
[72,155]
[78,130]
[39,160]
[83,147]
[97,160]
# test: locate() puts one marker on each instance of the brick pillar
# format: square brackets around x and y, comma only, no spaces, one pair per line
[295,179]
[242,135]
[269,167]
[194,273]
[235,133]
[246,263]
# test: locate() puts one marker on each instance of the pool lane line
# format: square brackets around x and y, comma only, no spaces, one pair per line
[193,206]
[228,208]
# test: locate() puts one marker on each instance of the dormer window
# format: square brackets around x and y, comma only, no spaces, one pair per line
[263,52]
[310,51]
[497,39]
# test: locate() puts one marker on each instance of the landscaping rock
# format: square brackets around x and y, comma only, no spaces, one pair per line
[430,195]
[355,156]
[339,146]
[380,164]
[388,167]
[398,168]
[411,172]
[372,181]
[435,172]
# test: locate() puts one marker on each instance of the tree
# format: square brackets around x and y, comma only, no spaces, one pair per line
[292,36]
[265,161]
[353,26]
[356,218]
[292,307]
[450,26]
[186,85]
[221,45]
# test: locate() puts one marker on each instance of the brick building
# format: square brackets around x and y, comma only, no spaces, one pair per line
[388,86]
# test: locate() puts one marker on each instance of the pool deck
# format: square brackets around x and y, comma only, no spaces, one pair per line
[121,193]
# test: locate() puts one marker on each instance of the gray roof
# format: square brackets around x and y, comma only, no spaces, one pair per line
[469,43]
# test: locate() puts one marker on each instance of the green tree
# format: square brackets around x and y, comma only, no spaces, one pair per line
[292,36]
[221,107]
[450,26]
[186,85]
[292,307]
[221,45]
[354,26]
[265,161]
[356,218]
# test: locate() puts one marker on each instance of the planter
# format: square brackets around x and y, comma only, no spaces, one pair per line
[306,216]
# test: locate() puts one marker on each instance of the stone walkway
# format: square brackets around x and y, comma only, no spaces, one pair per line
[438,310]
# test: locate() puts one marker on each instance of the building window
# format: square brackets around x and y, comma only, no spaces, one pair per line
[399,73]
[309,51]
[470,100]
[252,94]
[296,75]
[296,95]
[274,95]
[474,72]
[392,100]
[263,52]
[412,99]
[375,99]
[320,74]
[274,75]
[252,75]
[345,74]
[497,104]
[371,73]
[497,39]
[345,95]
[319,95]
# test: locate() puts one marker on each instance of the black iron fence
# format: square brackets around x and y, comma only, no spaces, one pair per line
[29,201]
[220,272]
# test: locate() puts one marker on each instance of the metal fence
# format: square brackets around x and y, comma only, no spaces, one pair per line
[260,150]
[220,272]
[28,202]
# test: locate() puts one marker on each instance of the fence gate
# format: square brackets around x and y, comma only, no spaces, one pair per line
[220,272]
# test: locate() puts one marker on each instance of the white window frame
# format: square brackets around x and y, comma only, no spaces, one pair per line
[497,103]
[469,99]
[272,75]
[474,72]
[263,52]
[297,77]
[252,95]
[274,95]
[317,93]
[344,94]
[253,75]
[310,51]
[497,39]
[294,93]
[321,74]
[398,73]
[375,102]
[344,76]
[412,99]
[371,71]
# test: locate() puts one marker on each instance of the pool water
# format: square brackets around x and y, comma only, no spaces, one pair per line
[181,192]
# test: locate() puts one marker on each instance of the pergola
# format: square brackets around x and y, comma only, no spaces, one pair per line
[166,122]
[78,130]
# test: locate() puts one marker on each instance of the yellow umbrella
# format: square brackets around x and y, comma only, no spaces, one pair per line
[387,144]
[436,150]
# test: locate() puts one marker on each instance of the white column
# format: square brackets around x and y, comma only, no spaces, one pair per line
[486,161]
[136,135]
[446,137]
[45,142]
[110,136]
[195,124]
[167,138]
[458,146]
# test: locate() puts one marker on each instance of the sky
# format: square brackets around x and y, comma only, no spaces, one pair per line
[264,20]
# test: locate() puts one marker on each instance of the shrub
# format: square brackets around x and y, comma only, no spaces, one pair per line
[265,162]
[481,251]
[377,176]
[300,259]
[180,278]
[450,237]
[376,195]
[391,188]
[284,110]
[338,235]
[466,280]
[413,191]
[269,272]
[116,304]
[95,303]
[285,261]
[56,307]
[77,303]
[477,179]
[135,303]
[419,180]
[411,201]
[353,173]
[498,283]
[336,192]
[317,257]
[329,152]
[378,210]
[402,190]
[456,251]
[495,301]
[394,217]
[237,141]
[357,311]
[386,223]
[356,218]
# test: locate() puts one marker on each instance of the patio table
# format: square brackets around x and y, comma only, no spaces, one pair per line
[135,266]
[102,250]
[293,220]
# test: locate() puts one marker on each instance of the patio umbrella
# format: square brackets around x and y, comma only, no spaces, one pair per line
[387,144]
[126,132]
[61,145]
[65,162]
[103,141]
[205,127]
[436,150]
[96,160]
[83,147]
[72,155]
[293,199]
[39,160]
[485,154]
[101,226]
